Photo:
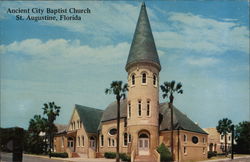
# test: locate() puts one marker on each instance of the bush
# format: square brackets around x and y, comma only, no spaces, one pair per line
[164,153]
[211,154]
[110,155]
[59,154]
[125,157]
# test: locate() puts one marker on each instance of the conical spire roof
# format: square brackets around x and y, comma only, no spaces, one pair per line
[143,46]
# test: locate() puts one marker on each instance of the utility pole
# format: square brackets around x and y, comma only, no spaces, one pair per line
[232,142]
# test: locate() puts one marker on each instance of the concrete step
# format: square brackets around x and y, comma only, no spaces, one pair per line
[82,155]
[144,158]
[74,155]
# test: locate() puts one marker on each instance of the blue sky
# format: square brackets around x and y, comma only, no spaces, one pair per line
[203,44]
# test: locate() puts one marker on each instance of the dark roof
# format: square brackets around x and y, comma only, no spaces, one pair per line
[143,46]
[90,117]
[181,121]
[110,112]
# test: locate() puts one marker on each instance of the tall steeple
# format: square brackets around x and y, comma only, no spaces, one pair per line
[143,46]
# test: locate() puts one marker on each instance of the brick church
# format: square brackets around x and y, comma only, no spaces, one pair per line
[91,132]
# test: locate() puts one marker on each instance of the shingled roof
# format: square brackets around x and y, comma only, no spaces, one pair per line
[110,112]
[181,121]
[143,46]
[90,117]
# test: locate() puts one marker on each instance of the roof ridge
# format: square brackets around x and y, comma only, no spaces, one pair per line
[82,106]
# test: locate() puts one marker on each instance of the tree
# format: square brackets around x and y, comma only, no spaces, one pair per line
[224,127]
[34,142]
[168,89]
[243,137]
[51,110]
[119,90]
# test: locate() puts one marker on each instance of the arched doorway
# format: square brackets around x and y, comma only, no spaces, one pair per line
[92,142]
[71,144]
[143,143]
[211,147]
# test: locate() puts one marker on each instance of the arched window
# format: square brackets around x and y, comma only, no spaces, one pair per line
[109,142]
[154,80]
[129,110]
[129,138]
[113,142]
[102,140]
[139,108]
[79,141]
[185,138]
[133,79]
[185,150]
[148,108]
[144,76]
[125,139]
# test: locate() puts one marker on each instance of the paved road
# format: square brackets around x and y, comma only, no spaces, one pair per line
[7,157]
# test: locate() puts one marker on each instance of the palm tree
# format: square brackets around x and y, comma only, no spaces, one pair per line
[168,89]
[224,127]
[51,110]
[119,91]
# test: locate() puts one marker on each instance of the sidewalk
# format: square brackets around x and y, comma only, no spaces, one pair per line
[89,159]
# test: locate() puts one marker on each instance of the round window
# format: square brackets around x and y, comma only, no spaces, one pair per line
[112,131]
[195,139]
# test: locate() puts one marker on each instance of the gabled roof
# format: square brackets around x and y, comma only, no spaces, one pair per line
[181,121]
[90,117]
[143,46]
[110,112]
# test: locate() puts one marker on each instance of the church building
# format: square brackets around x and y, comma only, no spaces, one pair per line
[144,124]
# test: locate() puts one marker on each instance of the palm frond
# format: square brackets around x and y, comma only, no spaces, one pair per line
[178,86]
[172,84]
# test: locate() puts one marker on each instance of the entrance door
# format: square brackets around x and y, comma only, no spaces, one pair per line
[92,143]
[71,144]
[143,144]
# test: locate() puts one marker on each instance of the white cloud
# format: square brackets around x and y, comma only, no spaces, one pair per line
[70,50]
[203,35]
[206,61]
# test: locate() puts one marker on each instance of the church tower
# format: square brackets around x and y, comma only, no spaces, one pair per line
[143,67]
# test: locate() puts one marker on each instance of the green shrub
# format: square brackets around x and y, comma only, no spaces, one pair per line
[110,155]
[211,154]
[164,153]
[125,157]
[59,154]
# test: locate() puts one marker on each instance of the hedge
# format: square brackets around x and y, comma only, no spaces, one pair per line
[211,154]
[59,154]
[112,155]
